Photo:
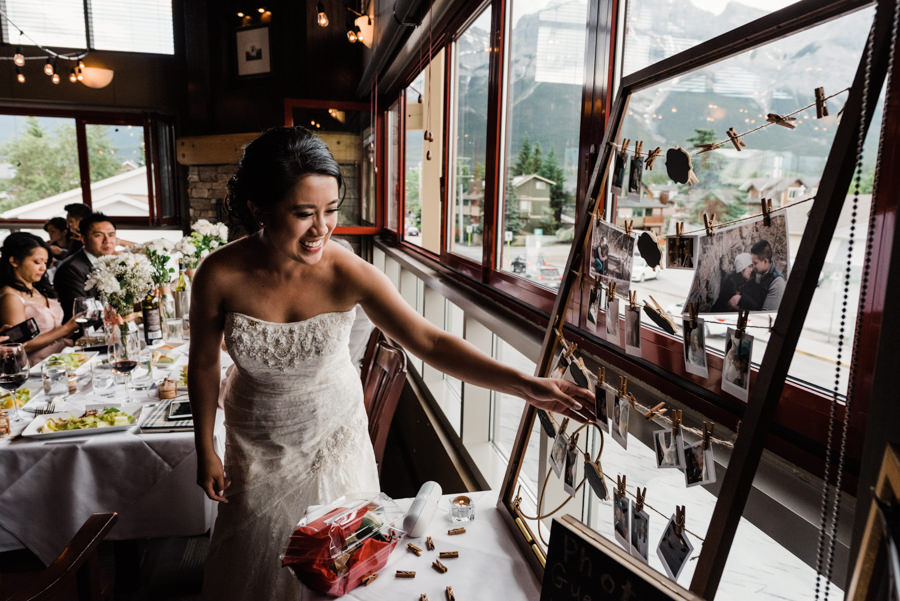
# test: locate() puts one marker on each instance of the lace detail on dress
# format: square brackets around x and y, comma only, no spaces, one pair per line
[340,446]
[285,345]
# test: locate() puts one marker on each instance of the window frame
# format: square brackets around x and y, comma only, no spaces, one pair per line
[82,118]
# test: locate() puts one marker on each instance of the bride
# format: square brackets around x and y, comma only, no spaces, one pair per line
[296,429]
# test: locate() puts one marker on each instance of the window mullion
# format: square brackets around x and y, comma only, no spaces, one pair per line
[84,166]
[88,25]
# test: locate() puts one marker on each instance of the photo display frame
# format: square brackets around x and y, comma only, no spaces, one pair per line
[252,53]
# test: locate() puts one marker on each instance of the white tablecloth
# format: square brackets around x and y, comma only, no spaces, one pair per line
[490,564]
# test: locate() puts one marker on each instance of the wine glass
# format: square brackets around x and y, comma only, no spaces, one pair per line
[123,353]
[88,312]
[13,371]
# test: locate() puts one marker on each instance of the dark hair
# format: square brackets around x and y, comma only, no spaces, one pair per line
[91,219]
[78,210]
[763,250]
[271,165]
[20,246]
[57,222]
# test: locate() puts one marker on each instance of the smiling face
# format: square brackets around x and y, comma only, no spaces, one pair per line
[32,268]
[301,224]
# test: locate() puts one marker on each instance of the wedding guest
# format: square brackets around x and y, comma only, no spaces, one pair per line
[57,230]
[75,212]
[27,293]
[99,236]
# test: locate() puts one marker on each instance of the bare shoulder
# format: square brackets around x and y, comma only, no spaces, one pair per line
[350,268]
[224,262]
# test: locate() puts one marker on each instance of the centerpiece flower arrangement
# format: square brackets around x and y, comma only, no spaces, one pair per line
[158,253]
[121,281]
[204,238]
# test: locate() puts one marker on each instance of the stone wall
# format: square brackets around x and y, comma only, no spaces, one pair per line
[207,187]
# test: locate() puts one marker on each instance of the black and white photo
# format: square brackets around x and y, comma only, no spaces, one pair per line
[620,520]
[633,330]
[560,363]
[612,322]
[674,549]
[252,45]
[569,481]
[694,338]
[612,253]
[601,404]
[736,364]
[593,473]
[699,464]
[640,534]
[619,427]
[593,308]
[742,267]
[558,453]
[668,447]
[681,252]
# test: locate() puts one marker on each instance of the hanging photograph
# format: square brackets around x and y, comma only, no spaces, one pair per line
[669,449]
[620,519]
[681,252]
[560,363]
[633,331]
[674,550]
[736,364]
[694,338]
[612,252]
[593,472]
[569,482]
[602,400]
[640,534]
[699,466]
[578,375]
[252,46]
[595,301]
[612,322]
[742,267]
[619,431]
[558,453]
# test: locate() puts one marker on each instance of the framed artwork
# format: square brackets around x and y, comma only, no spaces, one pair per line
[252,51]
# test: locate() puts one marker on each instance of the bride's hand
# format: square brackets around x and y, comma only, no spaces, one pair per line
[211,477]
[560,396]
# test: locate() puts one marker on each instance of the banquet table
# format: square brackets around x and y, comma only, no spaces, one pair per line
[49,487]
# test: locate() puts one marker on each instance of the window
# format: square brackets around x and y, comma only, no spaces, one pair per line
[544,72]
[393,127]
[471,55]
[137,26]
[118,170]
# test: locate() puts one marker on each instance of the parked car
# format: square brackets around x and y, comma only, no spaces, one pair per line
[640,271]
[521,265]
[412,230]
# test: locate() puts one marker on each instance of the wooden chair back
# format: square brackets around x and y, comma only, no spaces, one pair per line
[381,388]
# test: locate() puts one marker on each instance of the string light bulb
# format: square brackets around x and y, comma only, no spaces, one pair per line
[55,78]
[19,58]
[351,35]
[48,67]
[321,17]
[20,77]
[72,76]
[79,73]
[261,10]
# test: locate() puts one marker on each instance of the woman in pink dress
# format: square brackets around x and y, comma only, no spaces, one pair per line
[26,293]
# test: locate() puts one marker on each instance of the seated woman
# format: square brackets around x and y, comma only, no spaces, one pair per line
[59,237]
[26,293]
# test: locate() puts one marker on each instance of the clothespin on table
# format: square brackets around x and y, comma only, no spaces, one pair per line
[707,433]
[629,226]
[639,495]
[620,485]
[692,313]
[821,105]
[766,210]
[601,376]
[737,140]
[651,158]
[741,323]
[680,514]
[632,300]
[709,222]
[657,410]
[781,120]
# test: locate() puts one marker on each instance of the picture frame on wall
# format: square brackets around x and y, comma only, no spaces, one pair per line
[252,53]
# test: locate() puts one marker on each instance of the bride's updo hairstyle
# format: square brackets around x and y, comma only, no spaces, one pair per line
[271,165]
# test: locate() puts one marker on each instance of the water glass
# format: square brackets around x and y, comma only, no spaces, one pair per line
[55,377]
[104,380]
[175,329]
[142,376]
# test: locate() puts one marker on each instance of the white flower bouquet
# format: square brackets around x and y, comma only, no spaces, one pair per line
[204,238]
[121,280]
[158,252]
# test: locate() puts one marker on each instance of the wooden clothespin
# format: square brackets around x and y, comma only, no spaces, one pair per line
[709,222]
[662,313]
[680,513]
[737,140]
[766,210]
[601,376]
[631,400]
[620,485]
[821,105]
[570,350]
[638,147]
[651,158]
[657,410]
[781,120]
[639,495]
[612,290]
[623,149]
[692,313]
[676,422]
[632,300]
[707,433]
[623,385]
[704,148]
[573,440]
[629,226]
[679,228]
[741,323]
[563,426]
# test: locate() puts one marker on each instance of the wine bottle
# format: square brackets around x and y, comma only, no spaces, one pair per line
[182,293]
[166,308]
[152,321]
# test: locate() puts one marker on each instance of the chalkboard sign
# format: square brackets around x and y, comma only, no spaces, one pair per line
[584,566]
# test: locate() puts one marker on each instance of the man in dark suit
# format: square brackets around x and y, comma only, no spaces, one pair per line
[99,235]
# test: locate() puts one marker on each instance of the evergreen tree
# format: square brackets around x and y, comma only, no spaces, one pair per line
[551,170]
[512,221]
[523,160]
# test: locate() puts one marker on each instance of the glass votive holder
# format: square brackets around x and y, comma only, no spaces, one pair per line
[462,509]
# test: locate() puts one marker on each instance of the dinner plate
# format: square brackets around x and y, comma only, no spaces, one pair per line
[33,430]
[36,368]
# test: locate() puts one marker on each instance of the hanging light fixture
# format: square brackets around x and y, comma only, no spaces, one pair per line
[352,34]
[321,16]
[55,78]
[19,58]
[20,77]
[73,77]
[48,67]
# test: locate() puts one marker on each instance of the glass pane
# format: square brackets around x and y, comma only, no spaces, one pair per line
[57,23]
[544,79]
[424,108]
[508,412]
[118,170]
[392,208]
[38,167]
[778,163]
[658,29]
[134,26]
[470,80]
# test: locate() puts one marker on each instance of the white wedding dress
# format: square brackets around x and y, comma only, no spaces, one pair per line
[296,435]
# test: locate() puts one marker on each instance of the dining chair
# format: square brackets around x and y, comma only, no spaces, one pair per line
[77,563]
[382,386]
[368,357]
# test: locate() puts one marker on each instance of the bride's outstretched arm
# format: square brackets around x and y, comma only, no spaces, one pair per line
[207,324]
[454,356]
